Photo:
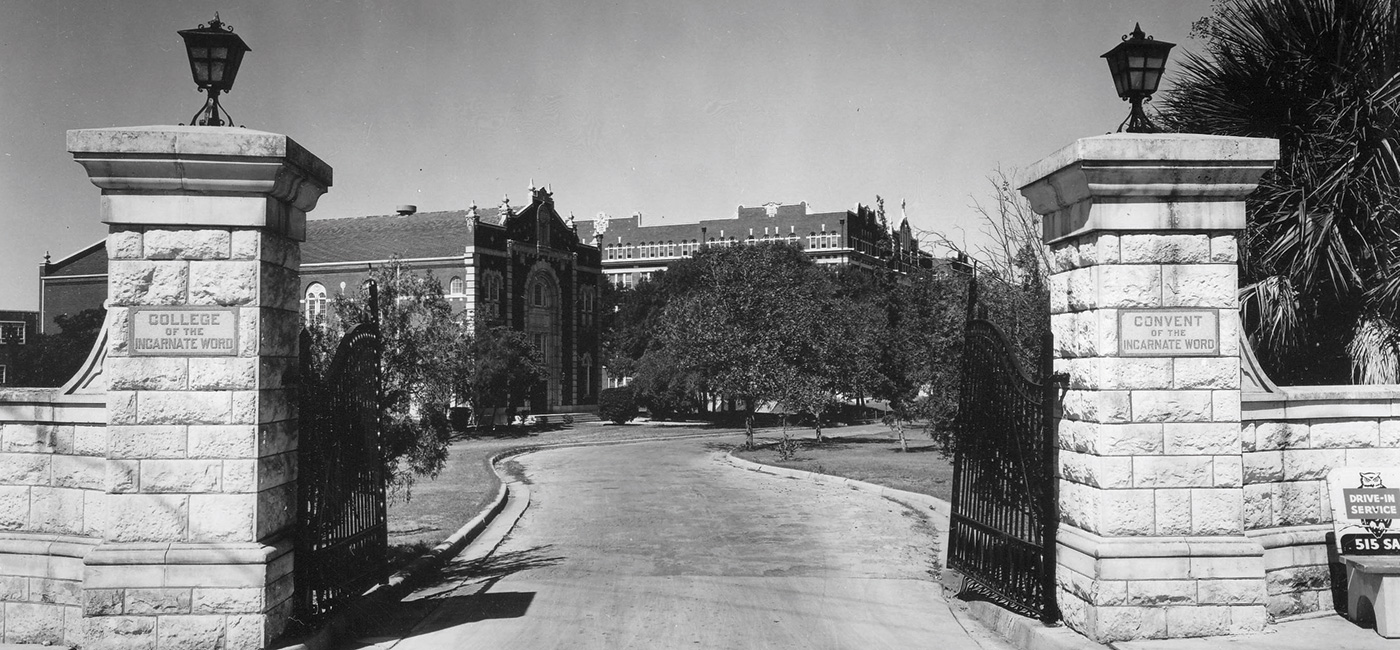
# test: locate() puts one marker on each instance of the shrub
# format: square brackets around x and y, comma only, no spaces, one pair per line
[617,404]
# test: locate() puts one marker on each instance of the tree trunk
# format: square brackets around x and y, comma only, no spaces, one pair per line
[818,420]
[748,426]
[899,429]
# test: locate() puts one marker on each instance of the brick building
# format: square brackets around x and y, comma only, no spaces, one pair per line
[524,267]
[16,328]
[72,284]
[632,251]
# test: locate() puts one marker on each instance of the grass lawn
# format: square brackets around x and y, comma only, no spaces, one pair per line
[440,505]
[868,453]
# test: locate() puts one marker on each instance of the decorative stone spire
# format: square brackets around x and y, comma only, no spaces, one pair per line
[505,210]
[600,226]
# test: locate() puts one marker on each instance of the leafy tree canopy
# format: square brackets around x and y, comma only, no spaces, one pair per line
[1320,264]
[424,352]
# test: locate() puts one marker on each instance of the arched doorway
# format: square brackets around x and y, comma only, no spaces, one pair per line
[543,327]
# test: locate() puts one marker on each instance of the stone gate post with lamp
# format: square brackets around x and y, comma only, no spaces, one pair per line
[199,501]
[1143,230]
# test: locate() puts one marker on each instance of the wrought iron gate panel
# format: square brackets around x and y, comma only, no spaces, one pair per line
[1004,514]
[342,533]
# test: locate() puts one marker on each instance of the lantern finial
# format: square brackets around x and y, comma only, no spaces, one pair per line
[215,53]
[1137,64]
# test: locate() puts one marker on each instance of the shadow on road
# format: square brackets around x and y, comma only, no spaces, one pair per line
[498,565]
[459,594]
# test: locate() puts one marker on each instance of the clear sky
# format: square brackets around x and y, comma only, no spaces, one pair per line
[679,110]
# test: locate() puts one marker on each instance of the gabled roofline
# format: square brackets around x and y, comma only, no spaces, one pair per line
[53,266]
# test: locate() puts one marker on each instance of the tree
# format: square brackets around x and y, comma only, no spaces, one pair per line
[501,367]
[1320,263]
[52,359]
[424,351]
[842,348]
[745,325]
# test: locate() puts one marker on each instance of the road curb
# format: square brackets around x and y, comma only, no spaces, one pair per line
[940,507]
[1026,633]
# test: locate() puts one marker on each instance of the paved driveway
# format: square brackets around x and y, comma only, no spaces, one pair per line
[662,545]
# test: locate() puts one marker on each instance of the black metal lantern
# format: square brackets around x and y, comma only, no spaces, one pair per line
[215,53]
[1136,65]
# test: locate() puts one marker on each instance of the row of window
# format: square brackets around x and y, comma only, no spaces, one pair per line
[671,249]
[624,280]
[491,288]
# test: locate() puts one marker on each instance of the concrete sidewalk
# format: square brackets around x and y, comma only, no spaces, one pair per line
[1322,631]
[1314,632]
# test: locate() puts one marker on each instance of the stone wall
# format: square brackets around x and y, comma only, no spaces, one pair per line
[53,443]
[1291,437]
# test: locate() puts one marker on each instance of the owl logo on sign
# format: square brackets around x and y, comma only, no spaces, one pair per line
[1377,527]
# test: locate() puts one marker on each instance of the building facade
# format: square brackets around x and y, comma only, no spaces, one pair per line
[16,330]
[632,252]
[72,284]
[522,267]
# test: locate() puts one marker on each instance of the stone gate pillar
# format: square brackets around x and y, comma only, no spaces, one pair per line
[203,250]
[1143,231]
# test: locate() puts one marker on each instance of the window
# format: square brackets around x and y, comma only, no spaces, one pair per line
[12,332]
[587,364]
[3,376]
[540,341]
[315,304]
[456,287]
[646,276]
[491,283]
[539,299]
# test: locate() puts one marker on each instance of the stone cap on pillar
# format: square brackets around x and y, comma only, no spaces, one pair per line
[1147,181]
[155,175]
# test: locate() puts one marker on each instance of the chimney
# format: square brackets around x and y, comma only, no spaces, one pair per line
[405,210]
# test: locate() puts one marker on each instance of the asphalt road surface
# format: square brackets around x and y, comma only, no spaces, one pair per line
[664,545]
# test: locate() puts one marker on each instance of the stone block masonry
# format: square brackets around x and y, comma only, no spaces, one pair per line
[1292,436]
[1152,539]
[52,473]
[200,463]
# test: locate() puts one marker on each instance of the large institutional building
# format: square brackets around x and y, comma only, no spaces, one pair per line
[529,269]
[522,267]
[632,252]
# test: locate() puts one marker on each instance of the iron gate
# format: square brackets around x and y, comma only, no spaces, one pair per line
[342,535]
[1004,515]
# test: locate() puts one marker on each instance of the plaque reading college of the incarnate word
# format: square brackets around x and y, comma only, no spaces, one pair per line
[188,331]
[1168,332]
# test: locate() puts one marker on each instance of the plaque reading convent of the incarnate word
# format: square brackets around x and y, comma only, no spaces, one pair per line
[1168,332]
[187,331]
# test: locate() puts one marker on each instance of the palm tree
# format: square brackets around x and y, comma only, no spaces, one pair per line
[1321,251]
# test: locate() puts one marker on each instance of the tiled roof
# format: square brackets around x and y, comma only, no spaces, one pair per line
[425,234]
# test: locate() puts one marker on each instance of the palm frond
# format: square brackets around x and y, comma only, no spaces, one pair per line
[1375,357]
